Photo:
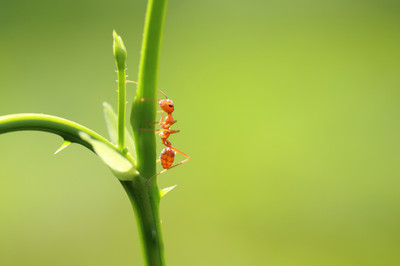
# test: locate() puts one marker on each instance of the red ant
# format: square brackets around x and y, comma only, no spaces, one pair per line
[168,153]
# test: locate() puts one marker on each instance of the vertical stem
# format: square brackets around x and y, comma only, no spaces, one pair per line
[145,199]
[121,107]
[145,202]
[145,111]
[120,60]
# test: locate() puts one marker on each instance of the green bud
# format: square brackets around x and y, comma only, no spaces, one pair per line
[119,51]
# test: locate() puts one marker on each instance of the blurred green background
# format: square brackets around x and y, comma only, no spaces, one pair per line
[289,110]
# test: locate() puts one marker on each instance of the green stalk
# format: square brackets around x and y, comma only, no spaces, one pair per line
[144,112]
[120,58]
[67,129]
[145,202]
[146,199]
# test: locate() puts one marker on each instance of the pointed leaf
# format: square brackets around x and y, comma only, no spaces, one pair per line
[166,190]
[65,144]
[123,168]
[112,126]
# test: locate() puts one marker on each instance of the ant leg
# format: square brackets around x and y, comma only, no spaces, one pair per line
[172,122]
[171,131]
[161,119]
[161,122]
[181,162]
[165,170]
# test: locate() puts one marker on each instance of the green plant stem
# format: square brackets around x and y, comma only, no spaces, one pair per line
[144,112]
[145,199]
[67,129]
[39,122]
[121,107]
[145,202]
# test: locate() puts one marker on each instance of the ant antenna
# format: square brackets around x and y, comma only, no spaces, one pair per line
[166,97]
[130,81]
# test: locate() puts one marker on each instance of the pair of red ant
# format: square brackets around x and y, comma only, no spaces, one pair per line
[168,153]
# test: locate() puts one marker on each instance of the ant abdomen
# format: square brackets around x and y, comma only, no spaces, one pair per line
[167,157]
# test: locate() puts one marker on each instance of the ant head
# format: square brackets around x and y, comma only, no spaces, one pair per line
[167,105]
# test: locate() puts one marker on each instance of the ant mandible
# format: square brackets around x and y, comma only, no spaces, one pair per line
[168,153]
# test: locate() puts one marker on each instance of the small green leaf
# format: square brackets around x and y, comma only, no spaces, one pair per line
[119,51]
[111,122]
[166,190]
[65,144]
[112,126]
[123,168]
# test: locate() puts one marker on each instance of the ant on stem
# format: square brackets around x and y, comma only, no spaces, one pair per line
[168,153]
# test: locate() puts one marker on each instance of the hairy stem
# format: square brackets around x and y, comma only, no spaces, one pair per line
[121,107]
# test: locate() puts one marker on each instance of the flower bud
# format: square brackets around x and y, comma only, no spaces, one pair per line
[119,51]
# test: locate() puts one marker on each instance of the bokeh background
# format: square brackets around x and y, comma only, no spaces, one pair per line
[289,110]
